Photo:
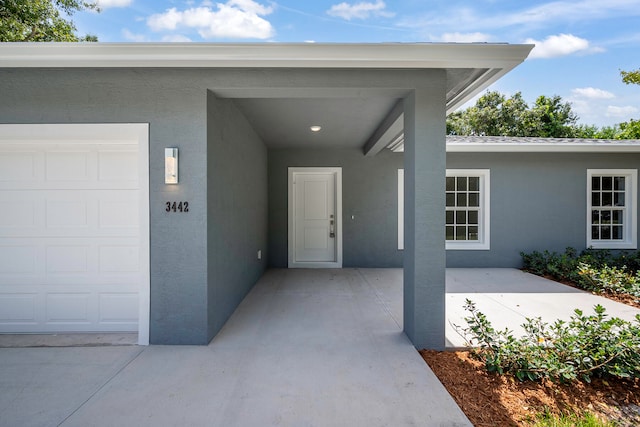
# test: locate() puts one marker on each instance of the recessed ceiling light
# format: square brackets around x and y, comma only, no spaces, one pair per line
[315,128]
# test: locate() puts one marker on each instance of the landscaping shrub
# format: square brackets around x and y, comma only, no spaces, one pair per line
[594,270]
[583,347]
[609,279]
[547,419]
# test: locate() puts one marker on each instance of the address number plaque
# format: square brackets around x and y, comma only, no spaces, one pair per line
[179,207]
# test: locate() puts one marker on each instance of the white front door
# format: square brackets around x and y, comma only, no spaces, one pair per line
[315,218]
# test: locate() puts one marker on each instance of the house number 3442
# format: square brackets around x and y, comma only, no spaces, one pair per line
[176,207]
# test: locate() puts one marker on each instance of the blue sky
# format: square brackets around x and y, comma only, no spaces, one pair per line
[581,46]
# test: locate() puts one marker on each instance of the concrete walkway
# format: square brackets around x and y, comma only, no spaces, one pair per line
[506,295]
[305,348]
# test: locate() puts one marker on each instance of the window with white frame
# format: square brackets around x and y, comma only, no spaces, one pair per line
[611,208]
[466,211]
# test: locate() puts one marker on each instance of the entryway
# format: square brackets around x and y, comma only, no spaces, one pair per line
[315,217]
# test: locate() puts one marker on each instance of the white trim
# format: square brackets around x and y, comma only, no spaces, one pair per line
[400,209]
[631,215]
[484,242]
[259,55]
[538,147]
[100,133]
[144,307]
[291,229]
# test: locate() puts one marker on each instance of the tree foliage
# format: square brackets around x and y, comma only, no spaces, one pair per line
[41,20]
[496,115]
[631,77]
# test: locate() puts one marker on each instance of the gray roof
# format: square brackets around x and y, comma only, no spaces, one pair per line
[451,139]
[507,144]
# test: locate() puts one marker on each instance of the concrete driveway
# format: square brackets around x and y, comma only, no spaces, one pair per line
[305,348]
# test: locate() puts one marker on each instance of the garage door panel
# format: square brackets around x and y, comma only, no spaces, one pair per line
[18,166]
[68,307]
[79,213]
[67,259]
[65,165]
[16,213]
[18,308]
[70,240]
[18,259]
[119,259]
[118,166]
[119,212]
[118,308]
[67,214]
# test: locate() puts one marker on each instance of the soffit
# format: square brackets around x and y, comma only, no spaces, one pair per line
[349,116]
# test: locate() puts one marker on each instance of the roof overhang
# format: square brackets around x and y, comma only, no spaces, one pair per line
[269,55]
[470,67]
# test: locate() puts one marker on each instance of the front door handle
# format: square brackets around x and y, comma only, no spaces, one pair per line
[332,229]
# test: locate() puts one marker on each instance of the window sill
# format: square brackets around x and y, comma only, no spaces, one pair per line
[467,246]
[612,245]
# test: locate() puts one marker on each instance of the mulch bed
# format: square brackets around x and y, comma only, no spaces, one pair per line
[499,400]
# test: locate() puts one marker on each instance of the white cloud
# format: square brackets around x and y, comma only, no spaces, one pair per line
[176,38]
[592,93]
[558,45]
[105,4]
[362,10]
[233,19]
[138,38]
[626,112]
[465,37]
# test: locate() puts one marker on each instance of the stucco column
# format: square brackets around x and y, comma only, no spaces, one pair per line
[424,211]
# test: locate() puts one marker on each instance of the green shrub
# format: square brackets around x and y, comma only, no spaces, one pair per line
[585,346]
[609,279]
[594,270]
[560,266]
[547,419]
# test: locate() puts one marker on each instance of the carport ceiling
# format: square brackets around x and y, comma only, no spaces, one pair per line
[345,122]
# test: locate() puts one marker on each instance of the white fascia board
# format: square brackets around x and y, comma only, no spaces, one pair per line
[542,148]
[263,55]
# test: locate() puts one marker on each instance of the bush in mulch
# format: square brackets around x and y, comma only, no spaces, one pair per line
[584,347]
[598,271]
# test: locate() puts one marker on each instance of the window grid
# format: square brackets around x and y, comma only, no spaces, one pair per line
[608,208]
[462,208]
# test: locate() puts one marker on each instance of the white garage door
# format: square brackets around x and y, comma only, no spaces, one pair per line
[73,228]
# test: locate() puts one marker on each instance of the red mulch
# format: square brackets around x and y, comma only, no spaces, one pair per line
[495,400]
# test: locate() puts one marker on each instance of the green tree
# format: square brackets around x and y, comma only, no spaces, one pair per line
[593,132]
[630,129]
[41,20]
[631,77]
[553,118]
[496,115]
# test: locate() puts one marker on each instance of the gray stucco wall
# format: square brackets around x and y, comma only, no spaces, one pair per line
[237,205]
[369,194]
[538,202]
[174,103]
